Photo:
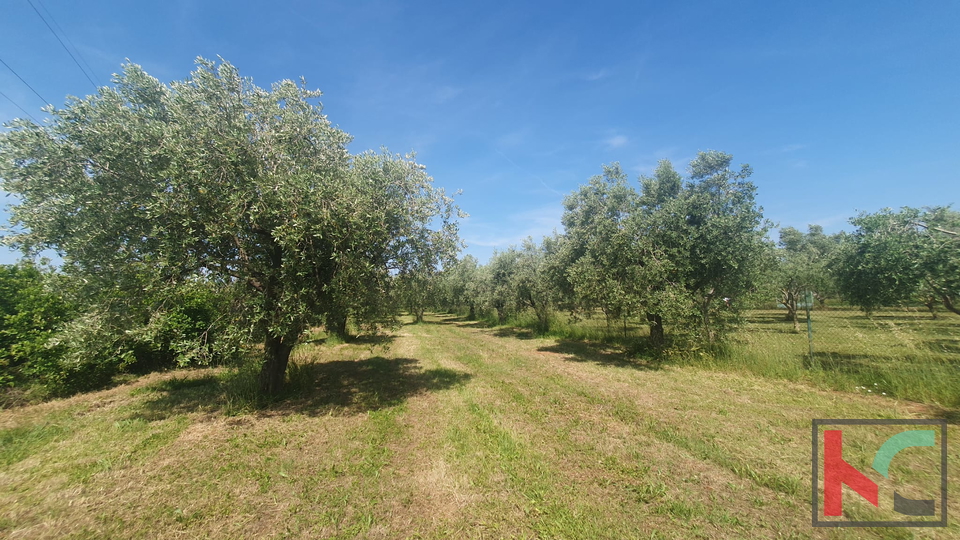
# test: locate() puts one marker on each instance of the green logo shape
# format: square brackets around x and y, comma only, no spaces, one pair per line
[900,441]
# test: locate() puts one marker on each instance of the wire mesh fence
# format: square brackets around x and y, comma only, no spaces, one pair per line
[844,334]
[910,351]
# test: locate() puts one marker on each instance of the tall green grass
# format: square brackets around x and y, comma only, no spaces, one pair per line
[594,328]
[898,353]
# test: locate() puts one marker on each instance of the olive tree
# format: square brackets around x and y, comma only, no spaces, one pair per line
[599,250]
[499,278]
[459,285]
[663,294]
[146,185]
[673,252]
[893,257]
[707,238]
[533,286]
[802,265]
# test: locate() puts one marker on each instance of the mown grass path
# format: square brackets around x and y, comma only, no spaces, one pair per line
[452,430]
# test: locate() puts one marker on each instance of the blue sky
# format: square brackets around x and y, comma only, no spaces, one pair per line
[838,106]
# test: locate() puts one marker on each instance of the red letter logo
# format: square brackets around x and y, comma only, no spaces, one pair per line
[836,471]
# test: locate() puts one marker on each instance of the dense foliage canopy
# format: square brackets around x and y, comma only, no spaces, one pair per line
[802,266]
[146,186]
[895,257]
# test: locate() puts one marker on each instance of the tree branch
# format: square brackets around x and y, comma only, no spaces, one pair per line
[944,296]
[944,231]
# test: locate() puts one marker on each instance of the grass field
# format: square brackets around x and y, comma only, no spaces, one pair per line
[898,352]
[445,429]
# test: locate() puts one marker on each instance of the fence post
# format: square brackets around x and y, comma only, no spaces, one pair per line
[808,301]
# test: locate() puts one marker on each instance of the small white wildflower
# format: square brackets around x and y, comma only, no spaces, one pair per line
[871,391]
[883,393]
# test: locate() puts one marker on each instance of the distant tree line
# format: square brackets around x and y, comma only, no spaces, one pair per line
[692,254]
[672,254]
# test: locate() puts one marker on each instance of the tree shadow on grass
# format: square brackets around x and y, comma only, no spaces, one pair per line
[579,351]
[372,339]
[458,321]
[341,388]
[357,386]
[510,331]
[947,346]
[952,416]
[365,339]
[472,324]
[444,319]
[180,395]
[765,318]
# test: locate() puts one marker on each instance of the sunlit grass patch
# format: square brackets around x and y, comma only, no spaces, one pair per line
[897,353]
[18,443]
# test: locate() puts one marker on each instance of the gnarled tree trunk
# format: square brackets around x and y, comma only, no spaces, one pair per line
[945,296]
[276,352]
[705,313]
[789,300]
[501,313]
[336,324]
[657,338]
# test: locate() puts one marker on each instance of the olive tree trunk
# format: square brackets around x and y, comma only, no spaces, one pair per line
[657,338]
[276,352]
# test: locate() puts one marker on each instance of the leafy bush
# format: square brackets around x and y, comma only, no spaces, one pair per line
[189,325]
[182,329]
[77,339]
[30,313]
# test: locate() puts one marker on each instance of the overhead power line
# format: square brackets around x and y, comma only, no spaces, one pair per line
[70,41]
[42,18]
[24,82]
[10,99]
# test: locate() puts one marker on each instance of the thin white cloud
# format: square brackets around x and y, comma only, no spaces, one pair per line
[784,149]
[447,93]
[617,141]
[596,75]
[513,228]
[514,138]
[527,173]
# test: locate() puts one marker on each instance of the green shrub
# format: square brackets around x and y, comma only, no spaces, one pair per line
[191,325]
[53,346]
[30,314]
